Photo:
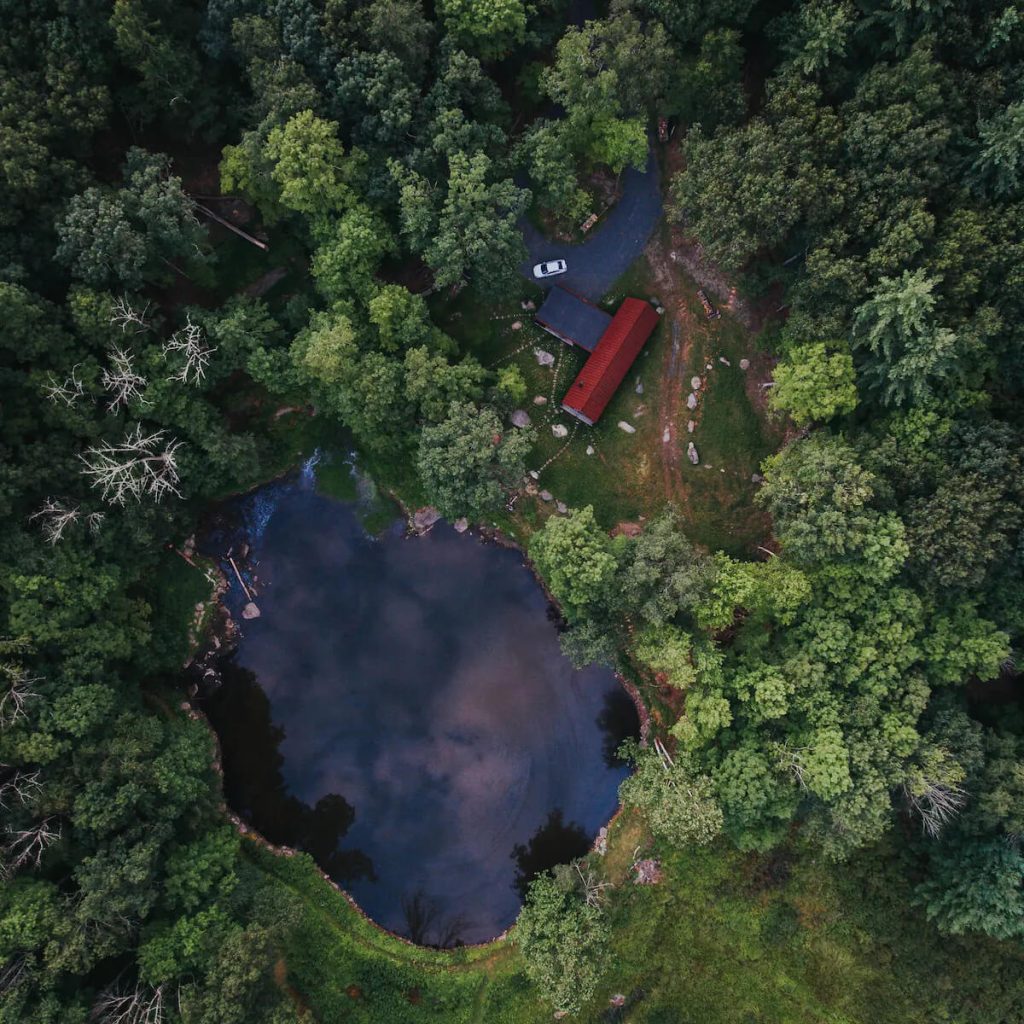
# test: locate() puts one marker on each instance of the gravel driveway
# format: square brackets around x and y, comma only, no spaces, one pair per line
[618,239]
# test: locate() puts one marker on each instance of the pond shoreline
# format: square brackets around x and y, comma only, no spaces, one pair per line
[223,636]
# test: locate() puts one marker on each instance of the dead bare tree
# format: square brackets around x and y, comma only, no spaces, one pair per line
[20,787]
[14,972]
[140,466]
[56,518]
[191,341]
[69,392]
[17,694]
[121,380]
[26,846]
[937,804]
[125,316]
[592,887]
[138,1005]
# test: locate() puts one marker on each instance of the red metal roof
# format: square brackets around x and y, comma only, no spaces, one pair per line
[610,361]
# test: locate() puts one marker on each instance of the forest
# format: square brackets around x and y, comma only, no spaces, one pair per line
[837,710]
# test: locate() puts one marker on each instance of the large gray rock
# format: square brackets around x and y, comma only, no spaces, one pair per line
[546,496]
[520,418]
[250,611]
[691,452]
[423,519]
[461,525]
[539,400]
[543,357]
[627,427]
[590,449]
[559,430]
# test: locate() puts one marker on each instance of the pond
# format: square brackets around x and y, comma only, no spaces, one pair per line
[401,709]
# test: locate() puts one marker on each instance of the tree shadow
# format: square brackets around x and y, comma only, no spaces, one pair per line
[555,842]
[618,721]
[426,924]
[254,784]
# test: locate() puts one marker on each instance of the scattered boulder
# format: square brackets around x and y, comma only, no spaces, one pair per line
[539,400]
[562,507]
[534,474]
[423,519]
[461,525]
[744,364]
[710,366]
[660,310]
[528,304]
[724,361]
[666,436]
[590,449]
[520,418]
[647,871]
[531,489]
[517,325]
[546,496]
[691,426]
[627,427]
[543,357]
[691,401]
[691,453]
[250,611]
[639,386]
[559,430]
[695,383]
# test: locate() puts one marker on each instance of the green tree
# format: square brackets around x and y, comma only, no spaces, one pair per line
[489,28]
[814,382]
[467,461]
[309,165]
[563,940]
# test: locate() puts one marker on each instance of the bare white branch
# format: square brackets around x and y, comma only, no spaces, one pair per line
[137,467]
[123,315]
[190,341]
[138,1005]
[20,787]
[56,518]
[69,392]
[937,803]
[27,846]
[121,380]
[592,887]
[14,972]
[16,696]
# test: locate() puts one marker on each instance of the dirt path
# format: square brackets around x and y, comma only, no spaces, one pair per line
[683,328]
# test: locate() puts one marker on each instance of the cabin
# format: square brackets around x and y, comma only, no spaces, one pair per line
[608,364]
[572,319]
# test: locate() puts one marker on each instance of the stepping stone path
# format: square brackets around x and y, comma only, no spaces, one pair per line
[691,426]
[639,387]
[520,418]
[627,427]
[691,401]
[695,383]
[544,358]
[691,453]
[666,436]
[559,430]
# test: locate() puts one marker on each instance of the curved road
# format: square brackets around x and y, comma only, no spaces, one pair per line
[617,240]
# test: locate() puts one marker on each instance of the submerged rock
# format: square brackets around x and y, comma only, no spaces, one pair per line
[251,611]
[461,525]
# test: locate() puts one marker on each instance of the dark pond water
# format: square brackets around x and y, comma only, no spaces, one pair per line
[402,710]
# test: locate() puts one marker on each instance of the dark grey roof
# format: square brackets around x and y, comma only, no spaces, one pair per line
[572,318]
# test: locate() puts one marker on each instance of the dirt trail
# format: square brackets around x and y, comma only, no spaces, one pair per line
[683,328]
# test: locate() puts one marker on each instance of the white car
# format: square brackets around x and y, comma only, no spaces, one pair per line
[550,269]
